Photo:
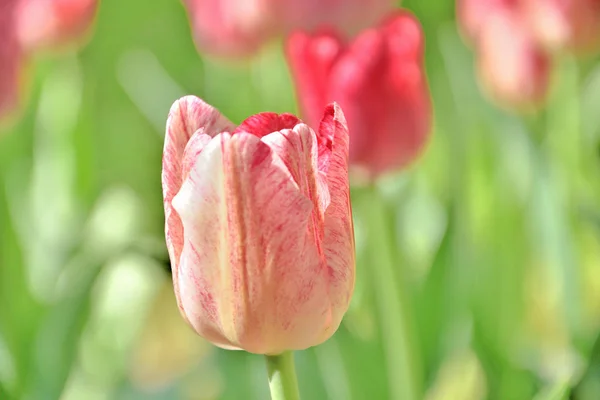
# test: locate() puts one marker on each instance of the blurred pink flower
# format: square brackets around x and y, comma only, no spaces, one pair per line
[513,67]
[378,79]
[472,14]
[44,24]
[34,25]
[231,27]
[258,226]
[240,27]
[347,16]
[572,25]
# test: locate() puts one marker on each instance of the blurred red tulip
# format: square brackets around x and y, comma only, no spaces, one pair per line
[258,226]
[32,25]
[513,68]
[378,79]
[240,27]
[572,25]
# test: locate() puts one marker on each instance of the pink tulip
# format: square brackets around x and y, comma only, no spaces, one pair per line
[378,79]
[572,25]
[240,27]
[348,16]
[258,226]
[471,14]
[513,68]
[44,24]
[27,26]
[231,27]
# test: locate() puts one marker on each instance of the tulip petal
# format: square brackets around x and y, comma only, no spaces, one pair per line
[188,115]
[192,151]
[298,149]
[339,231]
[311,60]
[381,85]
[267,122]
[246,226]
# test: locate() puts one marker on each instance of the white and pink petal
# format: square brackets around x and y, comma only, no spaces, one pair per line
[246,229]
[187,116]
[339,232]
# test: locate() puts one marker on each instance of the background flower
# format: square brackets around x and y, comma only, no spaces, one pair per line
[378,77]
[240,28]
[571,25]
[28,26]
[514,69]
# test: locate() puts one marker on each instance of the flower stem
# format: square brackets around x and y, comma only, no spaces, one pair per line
[282,377]
[395,314]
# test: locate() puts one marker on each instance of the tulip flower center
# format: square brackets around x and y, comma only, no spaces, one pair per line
[268,122]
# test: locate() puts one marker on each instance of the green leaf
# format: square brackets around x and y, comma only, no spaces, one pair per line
[589,385]
[435,303]
[559,391]
[55,344]
[4,393]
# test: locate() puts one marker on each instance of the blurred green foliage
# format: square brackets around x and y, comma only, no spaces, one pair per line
[492,239]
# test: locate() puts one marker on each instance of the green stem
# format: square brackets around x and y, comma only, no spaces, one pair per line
[394,310]
[282,377]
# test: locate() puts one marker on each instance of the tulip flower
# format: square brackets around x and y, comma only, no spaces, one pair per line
[348,16]
[378,79]
[513,68]
[231,27]
[241,27]
[471,15]
[44,24]
[28,26]
[572,25]
[258,226]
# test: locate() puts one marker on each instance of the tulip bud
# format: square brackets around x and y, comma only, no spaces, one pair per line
[572,25]
[513,68]
[240,27]
[378,79]
[258,226]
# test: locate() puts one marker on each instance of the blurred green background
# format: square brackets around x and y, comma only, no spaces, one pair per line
[495,287]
